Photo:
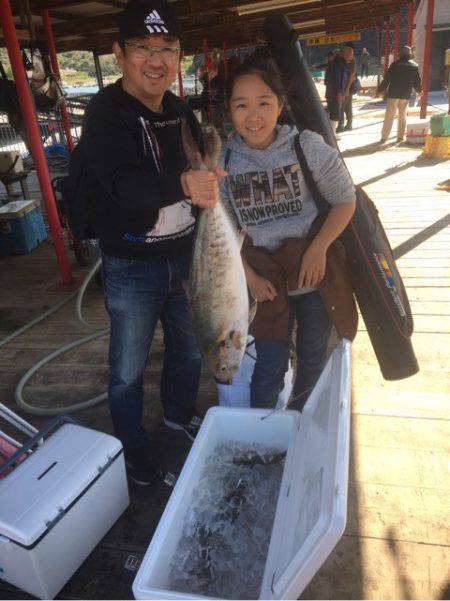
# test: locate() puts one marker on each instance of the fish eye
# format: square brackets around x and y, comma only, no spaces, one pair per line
[223,368]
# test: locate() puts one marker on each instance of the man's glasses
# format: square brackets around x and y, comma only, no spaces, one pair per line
[165,53]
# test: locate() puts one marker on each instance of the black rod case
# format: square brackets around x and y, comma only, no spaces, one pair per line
[377,284]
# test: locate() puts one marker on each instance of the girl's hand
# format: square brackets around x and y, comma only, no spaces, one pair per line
[313,265]
[261,289]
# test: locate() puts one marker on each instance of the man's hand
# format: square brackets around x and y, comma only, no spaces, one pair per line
[202,187]
[340,97]
[261,289]
[313,266]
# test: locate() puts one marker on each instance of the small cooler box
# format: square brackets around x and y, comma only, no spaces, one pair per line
[22,227]
[311,503]
[57,504]
[416,132]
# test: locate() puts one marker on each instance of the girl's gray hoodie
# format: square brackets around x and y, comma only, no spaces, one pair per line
[266,191]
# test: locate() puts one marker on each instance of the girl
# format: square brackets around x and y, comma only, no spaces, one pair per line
[285,251]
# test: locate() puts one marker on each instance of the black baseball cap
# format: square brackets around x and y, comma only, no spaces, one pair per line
[147,17]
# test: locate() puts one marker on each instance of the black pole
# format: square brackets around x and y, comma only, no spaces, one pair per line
[377,284]
[98,70]
[304,99]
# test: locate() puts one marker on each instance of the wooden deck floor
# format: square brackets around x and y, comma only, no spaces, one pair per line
[396,545]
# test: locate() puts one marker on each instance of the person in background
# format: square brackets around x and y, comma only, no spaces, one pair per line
[348,54]
[143,196]
[326,66]
[364,62]
[336,81]
[232,64]
[401,78]
[212,77]
[322,66]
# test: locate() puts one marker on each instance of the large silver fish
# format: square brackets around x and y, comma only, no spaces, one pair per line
[217,288]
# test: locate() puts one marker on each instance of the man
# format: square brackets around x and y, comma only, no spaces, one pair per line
[335,86]
[348,54]
[143,217]
[364,62]
[400,79]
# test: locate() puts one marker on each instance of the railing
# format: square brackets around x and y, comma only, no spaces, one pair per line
[50,126]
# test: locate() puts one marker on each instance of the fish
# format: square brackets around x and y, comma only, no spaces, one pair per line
[216,286]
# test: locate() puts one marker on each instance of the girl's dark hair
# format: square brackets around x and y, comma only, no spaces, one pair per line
[266,68]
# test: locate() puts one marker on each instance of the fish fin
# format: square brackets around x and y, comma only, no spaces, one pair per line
[252,311]
[213,146]
[190,147]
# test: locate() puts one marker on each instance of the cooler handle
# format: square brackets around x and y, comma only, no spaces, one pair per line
[37,438]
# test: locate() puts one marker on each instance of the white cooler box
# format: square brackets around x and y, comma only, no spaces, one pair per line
[56,505]
[312,502]
[416,132]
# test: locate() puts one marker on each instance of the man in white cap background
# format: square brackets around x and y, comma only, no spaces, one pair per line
[400,79]
[144,200]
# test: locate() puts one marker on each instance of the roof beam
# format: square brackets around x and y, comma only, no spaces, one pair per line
[49,4]
[115,3]
[103,22]
[82,26]
[192,7]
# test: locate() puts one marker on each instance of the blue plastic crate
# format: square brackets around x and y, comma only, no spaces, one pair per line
[22,227]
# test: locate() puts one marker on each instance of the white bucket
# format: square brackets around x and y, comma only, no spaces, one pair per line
[237,394]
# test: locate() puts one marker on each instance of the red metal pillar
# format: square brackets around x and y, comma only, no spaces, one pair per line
[180,84]
[225,60]
[55,67]
[426,59]
[387,45]
[379,38]
[409,38]
[397,35]
[32,128]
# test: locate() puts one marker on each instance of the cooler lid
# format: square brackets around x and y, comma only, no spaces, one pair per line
[37,493]
[311,520]
[17,208]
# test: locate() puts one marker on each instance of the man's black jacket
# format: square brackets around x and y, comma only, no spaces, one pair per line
[401,77]
[133,161]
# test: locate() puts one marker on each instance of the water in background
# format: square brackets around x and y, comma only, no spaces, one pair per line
[81,90]
[188,84]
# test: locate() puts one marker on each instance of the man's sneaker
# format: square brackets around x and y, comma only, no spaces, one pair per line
[190,426]
[339,129]
[348,127]
[141,468]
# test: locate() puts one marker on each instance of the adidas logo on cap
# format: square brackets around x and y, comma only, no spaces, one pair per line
[155,23]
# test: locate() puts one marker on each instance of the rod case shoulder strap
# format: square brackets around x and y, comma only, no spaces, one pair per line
[227,159]
[322,205]
[229,205]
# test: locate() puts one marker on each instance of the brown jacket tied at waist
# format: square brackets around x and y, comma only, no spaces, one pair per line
[281,267]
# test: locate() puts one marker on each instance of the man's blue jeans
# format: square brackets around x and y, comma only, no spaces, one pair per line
[272,356]
[138,293]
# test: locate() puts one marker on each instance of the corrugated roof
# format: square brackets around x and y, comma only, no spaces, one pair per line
[80,25]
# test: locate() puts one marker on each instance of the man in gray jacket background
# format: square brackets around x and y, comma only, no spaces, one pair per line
[399,81]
